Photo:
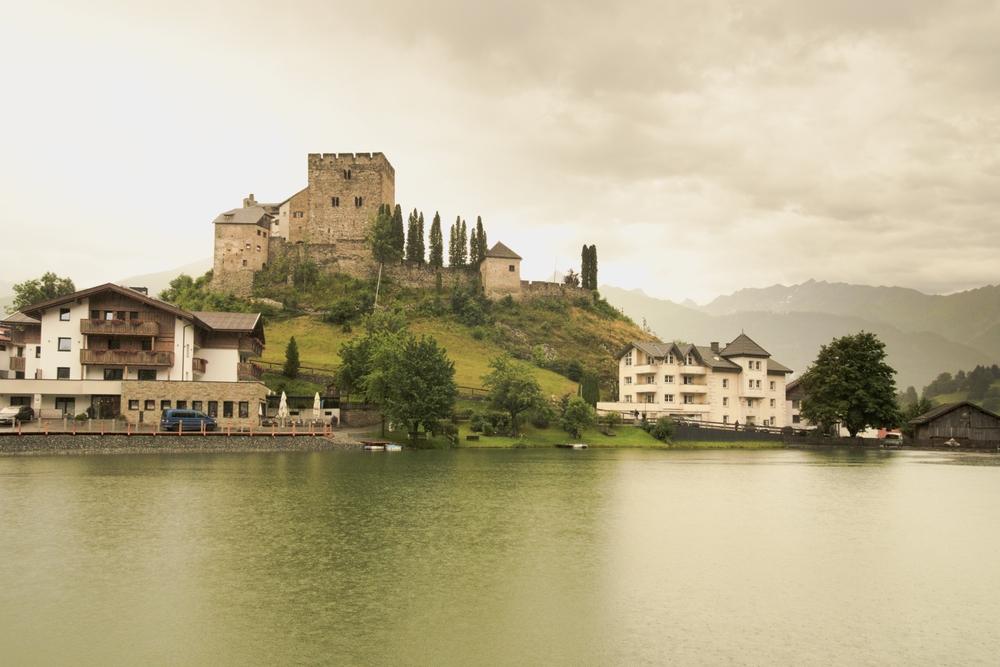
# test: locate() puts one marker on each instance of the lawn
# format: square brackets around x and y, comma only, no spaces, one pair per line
[319,345]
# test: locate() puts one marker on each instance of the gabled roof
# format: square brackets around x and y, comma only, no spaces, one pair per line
[227,321]
[250,215]
[715,361]
[744,346]
[942,410]
[775,367]
[20,318]
[502,251]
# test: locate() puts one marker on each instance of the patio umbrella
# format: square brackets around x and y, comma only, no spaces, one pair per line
[283,407]
[317,407]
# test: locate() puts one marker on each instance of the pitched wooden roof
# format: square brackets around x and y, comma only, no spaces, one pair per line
[942,410]
[502,251]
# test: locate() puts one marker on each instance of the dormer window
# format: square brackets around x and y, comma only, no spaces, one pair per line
[689,360]
[628,359]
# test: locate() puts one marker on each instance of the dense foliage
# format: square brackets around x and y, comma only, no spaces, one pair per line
[851,384]
[577,415]
[512,389]
[588,267]
[194,294]
[49,286]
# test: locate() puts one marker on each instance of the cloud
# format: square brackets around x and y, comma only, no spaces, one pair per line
[703,146]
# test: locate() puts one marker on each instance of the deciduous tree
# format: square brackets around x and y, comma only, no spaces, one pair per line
[49,286]
[512,389]
[850,383]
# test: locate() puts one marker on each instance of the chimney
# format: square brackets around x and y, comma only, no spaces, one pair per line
[249,201]
[140,290]
[715,347]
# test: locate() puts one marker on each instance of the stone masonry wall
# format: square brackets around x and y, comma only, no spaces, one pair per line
[253,393]
[240,251]
[540,289]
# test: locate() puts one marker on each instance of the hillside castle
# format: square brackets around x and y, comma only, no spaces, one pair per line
[328,221]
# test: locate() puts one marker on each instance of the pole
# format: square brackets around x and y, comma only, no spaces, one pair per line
[378,284]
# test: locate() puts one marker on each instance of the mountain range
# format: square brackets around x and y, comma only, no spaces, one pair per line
[924,334]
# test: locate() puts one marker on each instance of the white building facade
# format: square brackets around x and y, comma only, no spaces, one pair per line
[738,383]
[100,351]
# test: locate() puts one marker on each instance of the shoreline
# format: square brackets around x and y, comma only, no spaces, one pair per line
[105,445]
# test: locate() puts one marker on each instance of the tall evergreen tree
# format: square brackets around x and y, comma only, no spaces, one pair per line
[480,241]
[291,369]
[473,248]
[453,244]
[584,266]
[593,266]
[381,237]
[421,250]
[398,232]
[412,239]
[436,242]
[463,242]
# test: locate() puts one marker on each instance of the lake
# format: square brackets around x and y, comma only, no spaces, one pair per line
[501,557]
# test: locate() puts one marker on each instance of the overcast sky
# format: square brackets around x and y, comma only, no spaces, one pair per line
[703,146]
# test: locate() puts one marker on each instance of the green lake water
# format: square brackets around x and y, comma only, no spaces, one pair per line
[501,557]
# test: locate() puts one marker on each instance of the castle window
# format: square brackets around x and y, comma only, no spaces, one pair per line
[244,262]
[248,245]
[334,201]
[347,174]
[258,247]
[510,268]
[358,201]
[297,214]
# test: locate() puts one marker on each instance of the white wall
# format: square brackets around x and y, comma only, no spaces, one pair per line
[221,366]
[52,330]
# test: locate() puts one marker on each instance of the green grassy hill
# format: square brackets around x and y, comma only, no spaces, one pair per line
[556,337]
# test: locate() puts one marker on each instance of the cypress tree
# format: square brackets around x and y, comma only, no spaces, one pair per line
[463,241]
[436,242]
[291,369]
[453,245]
[398,232]
[481,245]
[412,237]
[593,267]
[585,266]
[473,247]
[421,252]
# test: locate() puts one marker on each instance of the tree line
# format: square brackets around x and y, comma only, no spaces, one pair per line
[392,242]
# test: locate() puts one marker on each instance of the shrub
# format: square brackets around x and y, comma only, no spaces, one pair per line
[478,333]
[543,416]
[82,417]
[577,416]
[488,430]
[662,428]
[612,419]
[574,370]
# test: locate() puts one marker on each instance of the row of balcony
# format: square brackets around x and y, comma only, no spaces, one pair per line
[248,372]
[100,327]
[17,364]
[682,369]
[671,388]
[126,357]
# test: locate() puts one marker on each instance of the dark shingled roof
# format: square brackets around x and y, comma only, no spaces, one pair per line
[743,346]
[945,409]
[714,360]
[775,367]
[221,321]
[251,215]
[502,251]
[20,318]
[717,361]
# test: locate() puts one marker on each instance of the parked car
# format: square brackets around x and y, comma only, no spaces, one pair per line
[187,420]
[16,414]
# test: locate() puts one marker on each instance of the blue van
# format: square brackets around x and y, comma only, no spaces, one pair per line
[187,420]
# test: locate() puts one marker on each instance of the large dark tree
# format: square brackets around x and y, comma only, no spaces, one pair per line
[512,389]
[588,267]
[463,244]
[851,384]
[382,237]
[398,232]
[291,369]
[436,243]
[421,249]
[477,243]
[414,239]
[49,286]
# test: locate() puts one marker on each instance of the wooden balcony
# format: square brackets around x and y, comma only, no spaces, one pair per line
[251,346]
[126,358]
[17,364]
[247,372]
[120,327]
[198,365]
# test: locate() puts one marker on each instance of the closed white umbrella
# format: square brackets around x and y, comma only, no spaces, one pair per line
[283,407]
[317,407]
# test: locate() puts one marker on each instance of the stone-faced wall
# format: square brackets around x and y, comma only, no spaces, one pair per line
[345,192]
[538,289]
[136,395]
[501,277]
[240,251]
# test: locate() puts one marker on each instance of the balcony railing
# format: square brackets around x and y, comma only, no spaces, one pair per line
[693,388]
[126,358]
[251,346]
[17,364]
[247,372]
[198,365]
[120,327]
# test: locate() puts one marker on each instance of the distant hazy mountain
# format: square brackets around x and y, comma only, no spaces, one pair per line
[794,338]
[971,317]
[157,282]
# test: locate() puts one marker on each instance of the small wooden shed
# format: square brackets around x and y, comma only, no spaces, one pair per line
[965,422]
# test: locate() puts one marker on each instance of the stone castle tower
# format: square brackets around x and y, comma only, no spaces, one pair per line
[327,221]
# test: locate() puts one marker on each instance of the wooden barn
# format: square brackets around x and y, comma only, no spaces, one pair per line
[965,422]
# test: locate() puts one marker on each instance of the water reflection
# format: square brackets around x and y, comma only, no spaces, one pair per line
[527,556]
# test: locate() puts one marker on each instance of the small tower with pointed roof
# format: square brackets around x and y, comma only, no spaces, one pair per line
[501,272]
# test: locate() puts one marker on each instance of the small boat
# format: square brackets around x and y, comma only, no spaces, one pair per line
[376,445]
[573,445]
[393,447]
[373,448]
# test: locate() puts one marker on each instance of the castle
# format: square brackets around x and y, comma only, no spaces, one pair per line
[328,222]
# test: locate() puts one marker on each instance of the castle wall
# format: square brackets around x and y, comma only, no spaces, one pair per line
[345,192]
[240,251]
[501,277]
[422,276]
[540,289]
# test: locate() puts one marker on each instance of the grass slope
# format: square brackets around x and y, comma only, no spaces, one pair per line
[319,345]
